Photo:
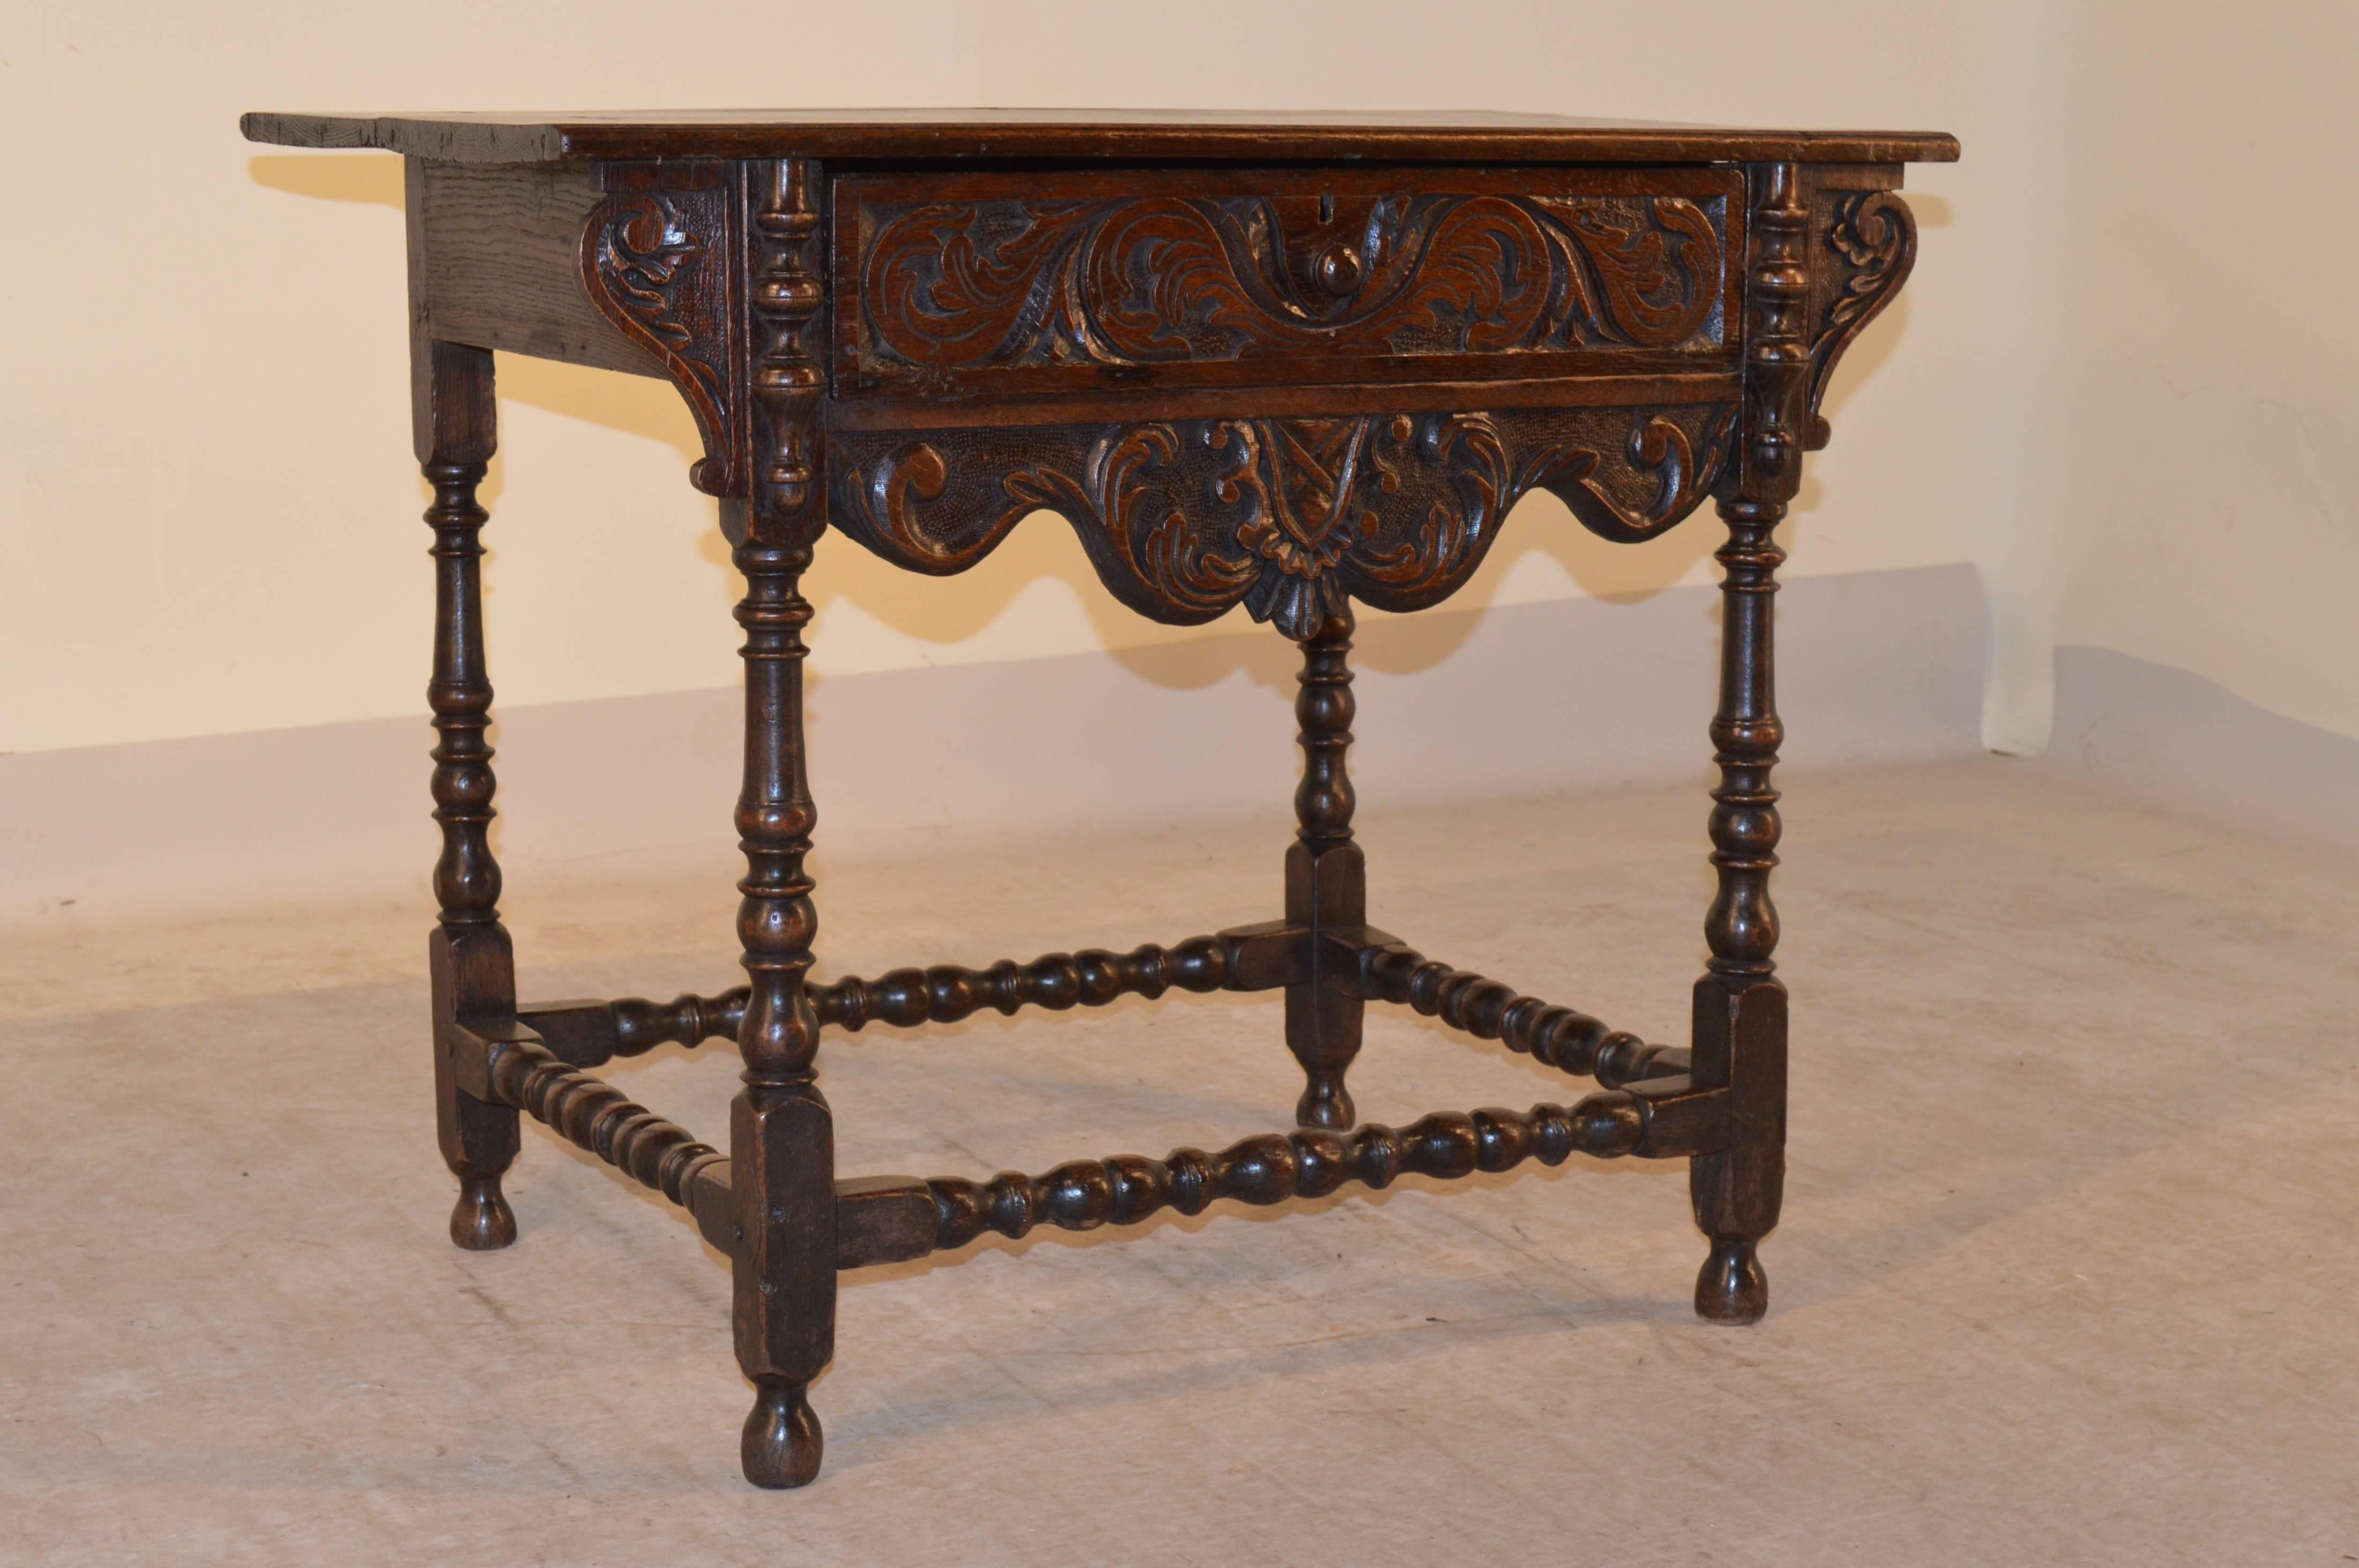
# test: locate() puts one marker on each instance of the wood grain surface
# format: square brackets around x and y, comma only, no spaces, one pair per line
[1090,134]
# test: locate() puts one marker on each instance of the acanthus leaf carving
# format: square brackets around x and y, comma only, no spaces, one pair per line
[1290,516]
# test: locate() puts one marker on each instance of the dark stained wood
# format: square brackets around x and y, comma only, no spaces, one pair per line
[657,260]
[781,1132]
[1560,1037]
[470,961]
[1098,135]
[955,287]
[1326,874]
[713,1203]
[945,993]
[1308,1163]
[1639,387]
[785,298]
[1736,1189]
[781,1136]
[1740,1011]
[1683,1118]
[892,1219]
[1184,520]
[585,1033]
[882,1220]
[1295,362]
[782,1170]
[470,967]
[512,1067]
[1872,239]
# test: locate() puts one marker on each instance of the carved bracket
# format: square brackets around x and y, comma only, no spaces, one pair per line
[713,268]
[657,262]
[1870,244]
[1184,519]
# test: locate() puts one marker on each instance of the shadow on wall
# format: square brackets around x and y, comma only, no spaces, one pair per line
[1042,548]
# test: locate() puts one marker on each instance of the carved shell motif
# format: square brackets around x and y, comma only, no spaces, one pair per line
[1184,519]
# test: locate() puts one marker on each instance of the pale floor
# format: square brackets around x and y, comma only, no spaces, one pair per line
[2066,1275]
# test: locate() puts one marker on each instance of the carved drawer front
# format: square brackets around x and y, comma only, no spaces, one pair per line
[1016,284]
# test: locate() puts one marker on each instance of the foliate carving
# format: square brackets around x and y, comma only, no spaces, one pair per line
[1871,244]
[949,287]
[656,265]
[1291,516]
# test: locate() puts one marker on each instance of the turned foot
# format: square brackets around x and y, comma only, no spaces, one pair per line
[481,1221]
[782,1443]
[1731,1288]
[1326,1105]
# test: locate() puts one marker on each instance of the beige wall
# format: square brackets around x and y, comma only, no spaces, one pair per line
[208,502]
[2207,451]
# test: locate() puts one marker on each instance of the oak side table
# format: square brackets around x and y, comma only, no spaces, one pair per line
[1283,361]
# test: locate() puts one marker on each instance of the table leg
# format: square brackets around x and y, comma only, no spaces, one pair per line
[473,966]
[1740,1007]
[782,1151]
[1326,878]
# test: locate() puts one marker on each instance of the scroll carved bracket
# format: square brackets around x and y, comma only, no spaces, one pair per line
[714,269]
[658,264]
[1870,248]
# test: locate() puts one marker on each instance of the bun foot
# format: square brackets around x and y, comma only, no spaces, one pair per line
[481,1221]
[1326,1105]
[782,1443]
[1731,1288]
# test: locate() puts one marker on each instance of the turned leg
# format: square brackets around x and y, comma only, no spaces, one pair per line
[1740,1007]
[781,1135]
[469,957]
[1326,878]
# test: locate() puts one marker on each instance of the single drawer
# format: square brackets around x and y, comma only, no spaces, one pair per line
[1014,283]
